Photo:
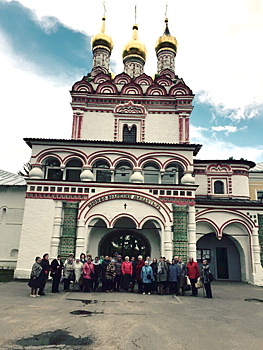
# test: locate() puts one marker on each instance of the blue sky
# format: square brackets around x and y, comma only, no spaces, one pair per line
[46,48]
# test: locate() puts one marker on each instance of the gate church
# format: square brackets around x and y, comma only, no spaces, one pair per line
[127,180]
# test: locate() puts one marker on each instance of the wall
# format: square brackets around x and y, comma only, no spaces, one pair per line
[12,199]
[36,234]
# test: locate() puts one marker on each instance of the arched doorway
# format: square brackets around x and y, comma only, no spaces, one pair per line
[124,242]
[223,256]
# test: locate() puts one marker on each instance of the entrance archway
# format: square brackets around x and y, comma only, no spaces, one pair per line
[124,242]
[224,256]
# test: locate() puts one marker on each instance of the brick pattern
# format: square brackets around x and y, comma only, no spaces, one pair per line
[180,214]
[69,228]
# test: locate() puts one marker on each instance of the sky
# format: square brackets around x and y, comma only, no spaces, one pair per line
[45,49]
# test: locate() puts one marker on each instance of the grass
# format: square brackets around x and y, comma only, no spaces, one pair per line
[6,275]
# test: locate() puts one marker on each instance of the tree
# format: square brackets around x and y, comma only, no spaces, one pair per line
[26,169]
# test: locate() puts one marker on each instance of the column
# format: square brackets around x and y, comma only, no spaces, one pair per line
[257,274]
[55,240]
[191,232]
[168,242]
[80,241]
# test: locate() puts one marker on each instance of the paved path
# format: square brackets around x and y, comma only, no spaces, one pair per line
[131,321]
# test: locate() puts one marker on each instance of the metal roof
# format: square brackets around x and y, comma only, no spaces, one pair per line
[10,179]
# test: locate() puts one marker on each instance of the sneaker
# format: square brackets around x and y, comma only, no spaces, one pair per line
[37,295]
[32,295]
[149,293]
[143,293]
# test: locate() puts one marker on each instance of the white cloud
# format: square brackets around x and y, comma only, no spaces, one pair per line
[32,107]
[219,149]
[227,128]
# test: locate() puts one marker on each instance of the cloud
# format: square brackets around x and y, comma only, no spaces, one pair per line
[227,128]
[47,45]
[215,148]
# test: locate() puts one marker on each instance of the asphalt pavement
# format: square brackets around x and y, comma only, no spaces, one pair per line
[232,320]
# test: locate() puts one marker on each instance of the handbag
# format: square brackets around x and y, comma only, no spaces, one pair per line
[199,283]
[149,276]
[211,277]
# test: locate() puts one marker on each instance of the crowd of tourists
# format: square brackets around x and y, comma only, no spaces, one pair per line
[115,274]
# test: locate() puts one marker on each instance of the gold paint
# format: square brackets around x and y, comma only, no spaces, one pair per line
[134,47]
[166,42]
[102,39]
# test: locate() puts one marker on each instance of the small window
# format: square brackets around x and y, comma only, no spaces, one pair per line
[218,187]
[123,172]
[129,134]
[73,170]
[52,169]
[102,172]
[151,172]
[260,196]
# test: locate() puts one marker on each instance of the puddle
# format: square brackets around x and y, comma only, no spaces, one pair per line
[84,312]
[57,337]
[84,301]
[254,299]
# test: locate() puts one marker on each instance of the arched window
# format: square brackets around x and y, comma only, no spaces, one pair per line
[14,253]
[102,172]
[73,170]
[219,187]
[52,169]
[173,174]
[123,172]
[151,173]
[129,135]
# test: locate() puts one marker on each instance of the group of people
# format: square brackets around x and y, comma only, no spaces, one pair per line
[115,274]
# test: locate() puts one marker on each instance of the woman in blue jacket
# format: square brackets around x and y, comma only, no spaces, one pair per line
[147,277]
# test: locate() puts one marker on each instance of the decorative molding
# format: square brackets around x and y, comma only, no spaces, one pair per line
[130,108]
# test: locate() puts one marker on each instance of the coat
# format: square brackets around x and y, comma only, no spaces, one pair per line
[45,268]
[193,270]
[35,279]
[56,268]
[69,270]
[126,268]
[205,273]
[88,271]
[174,273]
[162,271]
[77,270]
[139,267]
[146,270]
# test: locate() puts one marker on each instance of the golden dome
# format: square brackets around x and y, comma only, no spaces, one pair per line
[166,41]
[134,47]
[101,39]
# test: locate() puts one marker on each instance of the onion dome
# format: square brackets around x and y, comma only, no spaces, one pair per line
[102,40]
[134,47]
[166,41]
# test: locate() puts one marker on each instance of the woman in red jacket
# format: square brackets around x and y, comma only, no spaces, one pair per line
[193,273]
[126,269]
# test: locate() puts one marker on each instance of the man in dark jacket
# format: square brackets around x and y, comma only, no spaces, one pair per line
[97,272]
[104,265]
[44,273]
[56,270]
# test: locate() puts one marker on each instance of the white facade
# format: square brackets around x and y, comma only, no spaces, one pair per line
[127,180]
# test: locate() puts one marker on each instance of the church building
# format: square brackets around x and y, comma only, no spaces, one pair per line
[129,180]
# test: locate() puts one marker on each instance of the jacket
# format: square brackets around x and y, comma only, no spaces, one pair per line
[88,271]
[162,271]
[56,268]
[174,272]
[139,267]
[126,268]
[147,271]
[193,270]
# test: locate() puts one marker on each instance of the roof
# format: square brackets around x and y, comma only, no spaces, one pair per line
[10,179]
[196,147]
[227,201]
[225,161]
[257,168]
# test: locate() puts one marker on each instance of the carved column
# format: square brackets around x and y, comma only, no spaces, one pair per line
[168,242]
[191,232]
[80,241]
